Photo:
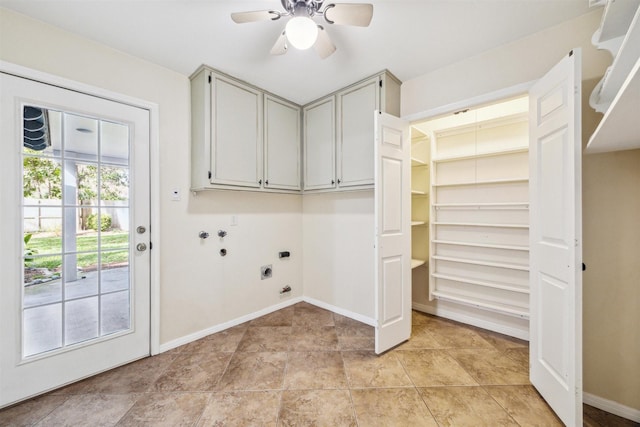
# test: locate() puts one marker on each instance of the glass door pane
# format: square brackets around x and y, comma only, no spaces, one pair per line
[76,240]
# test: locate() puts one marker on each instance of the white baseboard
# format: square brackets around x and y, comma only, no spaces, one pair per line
[350,314]
[474,321]
[612,407]
[226,325]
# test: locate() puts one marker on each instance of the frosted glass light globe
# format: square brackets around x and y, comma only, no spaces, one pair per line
[301,32]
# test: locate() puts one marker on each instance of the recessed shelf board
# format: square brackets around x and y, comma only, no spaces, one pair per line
[482,263]
[499,308]
[506,205]
[481,283]
[417,263]
[488,181]
[475,224]
[480,155]
[483,245]
[417,223]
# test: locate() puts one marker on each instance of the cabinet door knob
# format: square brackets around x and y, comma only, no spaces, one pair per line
[333,182]
[266,182]
[339,181]
[260,181]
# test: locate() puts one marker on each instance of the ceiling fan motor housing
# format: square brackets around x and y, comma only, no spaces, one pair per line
[302,7]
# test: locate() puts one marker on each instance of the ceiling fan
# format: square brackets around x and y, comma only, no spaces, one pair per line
[301,31]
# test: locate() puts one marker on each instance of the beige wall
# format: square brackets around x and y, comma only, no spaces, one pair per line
[611,283]
[521,61]
[611,197]
[338,268]
[199,289]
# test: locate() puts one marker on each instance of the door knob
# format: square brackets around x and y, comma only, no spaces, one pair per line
[141,247]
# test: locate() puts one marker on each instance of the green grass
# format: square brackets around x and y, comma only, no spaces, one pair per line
[52,246]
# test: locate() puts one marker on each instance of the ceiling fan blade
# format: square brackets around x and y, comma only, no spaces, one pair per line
[258,15]
[358,14]
[280,47]
[324,46]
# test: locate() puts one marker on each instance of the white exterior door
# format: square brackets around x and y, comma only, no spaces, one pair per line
[393,231]
[556,239]
[74,227]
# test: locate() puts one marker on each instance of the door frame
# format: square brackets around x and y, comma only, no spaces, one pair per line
[154,162]
[473,102]
[487,98]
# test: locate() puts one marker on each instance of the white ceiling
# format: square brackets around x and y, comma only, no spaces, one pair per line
[408,37]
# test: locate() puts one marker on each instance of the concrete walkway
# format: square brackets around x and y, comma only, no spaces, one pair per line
[87,314]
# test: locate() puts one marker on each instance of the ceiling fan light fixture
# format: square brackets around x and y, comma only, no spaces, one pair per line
[301,32]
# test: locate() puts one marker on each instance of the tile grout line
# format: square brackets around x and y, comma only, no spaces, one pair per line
[406,372]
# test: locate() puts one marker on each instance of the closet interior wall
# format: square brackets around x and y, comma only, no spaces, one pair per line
[477,233]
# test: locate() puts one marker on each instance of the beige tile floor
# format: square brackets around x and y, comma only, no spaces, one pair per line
[305,366]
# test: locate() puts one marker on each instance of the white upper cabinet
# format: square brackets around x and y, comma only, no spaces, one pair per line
[319,145]
[236,128]
[244,138]
[281,144]
[355,162]
[339,133]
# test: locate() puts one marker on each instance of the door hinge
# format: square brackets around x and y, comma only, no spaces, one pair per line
[209,174]
[150,245]
[209,78]
[571,53]
[380,83]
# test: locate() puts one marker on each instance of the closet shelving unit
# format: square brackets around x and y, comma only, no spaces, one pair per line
[420,199]
[479,174]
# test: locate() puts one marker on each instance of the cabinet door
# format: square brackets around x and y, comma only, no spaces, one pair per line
[356,133]
[319,145]
[236,133]
[282,144]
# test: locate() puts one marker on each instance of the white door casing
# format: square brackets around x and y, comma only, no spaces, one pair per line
[392,197]
[22,377]
[556,238]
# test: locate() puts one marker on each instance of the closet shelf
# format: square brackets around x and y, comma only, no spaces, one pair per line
[492,306]
[476,224]
[481,283]
[503,205]
[483,245]
[418,223]
[419,193]
[417,263]
[480,155]
[504,265]
[417,162]
[480,182]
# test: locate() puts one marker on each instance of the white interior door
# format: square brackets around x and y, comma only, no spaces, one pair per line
[74,227]
[393,231]
[556,239]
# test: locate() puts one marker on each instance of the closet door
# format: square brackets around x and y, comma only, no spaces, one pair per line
[556,239]
[392,198]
